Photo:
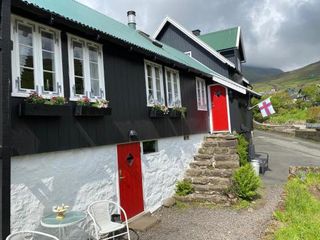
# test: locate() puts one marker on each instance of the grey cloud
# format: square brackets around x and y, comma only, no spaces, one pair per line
[276,33]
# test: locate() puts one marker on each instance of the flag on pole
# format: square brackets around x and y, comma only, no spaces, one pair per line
[266,108]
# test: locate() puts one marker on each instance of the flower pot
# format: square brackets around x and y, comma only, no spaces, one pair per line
[155,113]
[256,166]
[43,110]
[175,114]
[88,111]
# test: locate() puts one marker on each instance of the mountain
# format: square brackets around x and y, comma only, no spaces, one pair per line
[298,78]
[259,74]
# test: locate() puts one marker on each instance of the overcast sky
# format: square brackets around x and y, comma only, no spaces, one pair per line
[277,33]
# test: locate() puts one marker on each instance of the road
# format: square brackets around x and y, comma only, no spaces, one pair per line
[285,152]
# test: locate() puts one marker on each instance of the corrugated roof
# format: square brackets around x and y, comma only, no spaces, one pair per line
[77,12]
[223,39]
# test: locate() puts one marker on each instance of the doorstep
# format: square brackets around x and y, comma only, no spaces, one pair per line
[143,222]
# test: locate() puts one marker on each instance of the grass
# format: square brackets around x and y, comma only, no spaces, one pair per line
[291,116]
[301,215]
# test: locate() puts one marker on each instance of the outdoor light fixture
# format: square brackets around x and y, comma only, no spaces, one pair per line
[133,135]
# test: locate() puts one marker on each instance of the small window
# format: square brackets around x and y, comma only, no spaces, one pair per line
[150,146]
[201,94]
[86,69]
[173,87]
[154,83]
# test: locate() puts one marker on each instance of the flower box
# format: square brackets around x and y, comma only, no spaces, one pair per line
[174,114]
[43,110]
[156,113]
[88,111]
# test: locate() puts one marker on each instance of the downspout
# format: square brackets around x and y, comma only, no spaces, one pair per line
[5,117]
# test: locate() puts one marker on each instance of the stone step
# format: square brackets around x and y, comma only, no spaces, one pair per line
[202,157]
[197,197]
[209,173]
[210,188]
[220,137]
[144,222]
[209,144]
[226,164]
[226,157]
[208,180]
[205,163]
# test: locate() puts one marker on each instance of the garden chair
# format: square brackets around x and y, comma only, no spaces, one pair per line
[31,235]
[101,213]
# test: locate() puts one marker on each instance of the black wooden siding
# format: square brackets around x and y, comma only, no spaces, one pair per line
[126,90]
[172,36]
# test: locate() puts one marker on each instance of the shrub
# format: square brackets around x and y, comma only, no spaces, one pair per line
[242,150]
[184,188]
[313,114]
[245,182]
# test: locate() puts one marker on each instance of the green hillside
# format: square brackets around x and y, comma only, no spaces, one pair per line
[298,78]
[259,74]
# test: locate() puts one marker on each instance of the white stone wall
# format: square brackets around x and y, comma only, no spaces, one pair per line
[74,177]
[79,177]
[162,169]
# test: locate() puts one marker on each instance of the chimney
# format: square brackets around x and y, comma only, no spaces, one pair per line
[131,19]
[196,32]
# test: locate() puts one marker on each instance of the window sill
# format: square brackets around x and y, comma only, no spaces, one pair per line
[75,99]
[27,94]
[202,110]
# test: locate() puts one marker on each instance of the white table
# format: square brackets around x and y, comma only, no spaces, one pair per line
[71,218]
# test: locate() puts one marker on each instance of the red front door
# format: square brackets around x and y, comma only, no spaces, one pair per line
[130,178]
[219,108]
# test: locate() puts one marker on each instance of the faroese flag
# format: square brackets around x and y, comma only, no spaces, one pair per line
[266,108]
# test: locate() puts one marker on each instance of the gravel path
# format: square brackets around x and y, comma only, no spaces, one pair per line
[202,223]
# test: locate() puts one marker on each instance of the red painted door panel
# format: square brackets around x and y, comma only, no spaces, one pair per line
[130,178]
[219,108]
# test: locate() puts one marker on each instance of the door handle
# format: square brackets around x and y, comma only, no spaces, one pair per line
[120,175]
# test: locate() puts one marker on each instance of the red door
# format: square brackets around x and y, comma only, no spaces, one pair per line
[130,178]
[219,108]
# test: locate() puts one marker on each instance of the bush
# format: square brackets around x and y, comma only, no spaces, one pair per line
[245,182]
[313,114]
[184,188]
[242,150]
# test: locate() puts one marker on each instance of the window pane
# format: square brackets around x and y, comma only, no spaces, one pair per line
[48,61]
[79,85]
[25,35]
[49,81]
[95,87]
[78,67]
[47,41]
[149,72]
[170,100]
[94,71]
[93,54]
[26,56]
[27,79]
[77,50]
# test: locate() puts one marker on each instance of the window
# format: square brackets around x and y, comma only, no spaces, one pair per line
[154,83]
[150,146]
[36,59]
[85,69]
[201,94]
[173,87]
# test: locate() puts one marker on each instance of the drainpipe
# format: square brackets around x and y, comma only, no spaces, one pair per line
[132,19]
[5,117]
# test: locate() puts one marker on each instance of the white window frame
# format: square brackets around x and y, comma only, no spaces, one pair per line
[173,71]
[37,29]
[86,69]
[154,89]
[201,94]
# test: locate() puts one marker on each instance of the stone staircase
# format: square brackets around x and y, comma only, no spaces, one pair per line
[210,172]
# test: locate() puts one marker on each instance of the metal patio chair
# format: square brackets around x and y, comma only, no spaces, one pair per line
[101,213]
[31,235]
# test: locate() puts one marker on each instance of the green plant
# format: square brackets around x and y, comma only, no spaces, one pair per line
[85,101]
[245,182]
[184,188]
[313,114]
[161,107]
[242,150]
[100,103]
[34,98]
[182,110]
[56,101]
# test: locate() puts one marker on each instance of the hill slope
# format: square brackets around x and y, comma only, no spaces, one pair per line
[259,74]
[298,78]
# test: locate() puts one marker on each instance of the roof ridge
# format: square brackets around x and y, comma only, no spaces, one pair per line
[223,30]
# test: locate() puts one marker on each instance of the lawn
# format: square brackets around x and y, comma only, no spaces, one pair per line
[300,215]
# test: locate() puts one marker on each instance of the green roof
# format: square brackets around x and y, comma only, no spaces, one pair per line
[77,12]
[221,40]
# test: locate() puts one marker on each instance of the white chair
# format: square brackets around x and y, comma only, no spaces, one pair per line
[100,213]
[28,235]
